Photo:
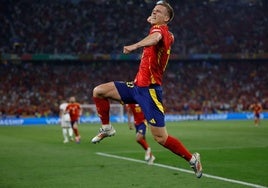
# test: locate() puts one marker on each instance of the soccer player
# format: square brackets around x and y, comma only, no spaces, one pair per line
[75,111]
[257,109]
[134,110]
[146,89]
[65,123]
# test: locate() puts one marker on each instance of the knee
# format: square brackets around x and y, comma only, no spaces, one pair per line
[160,134]
[139,137]
[160,139]
[104,90]
[97,91]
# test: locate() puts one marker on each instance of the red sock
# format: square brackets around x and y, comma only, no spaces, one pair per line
[75,131]
[177,147]
[143,143]
[103,109]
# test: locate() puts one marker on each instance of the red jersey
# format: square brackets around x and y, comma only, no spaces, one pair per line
[155,58]
[74,110]
[257,108]
[137,113]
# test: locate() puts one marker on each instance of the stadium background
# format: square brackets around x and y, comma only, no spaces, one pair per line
[51,50]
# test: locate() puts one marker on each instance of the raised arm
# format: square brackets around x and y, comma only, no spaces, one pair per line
[150,40]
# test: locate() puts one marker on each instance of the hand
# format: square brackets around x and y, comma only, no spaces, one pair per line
[128,49]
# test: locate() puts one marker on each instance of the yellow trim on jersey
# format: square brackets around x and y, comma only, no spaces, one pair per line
[168,52]
[154,97]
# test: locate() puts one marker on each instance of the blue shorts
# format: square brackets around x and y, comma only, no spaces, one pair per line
[149,98]
[257,115]
[141,128]
[73,122]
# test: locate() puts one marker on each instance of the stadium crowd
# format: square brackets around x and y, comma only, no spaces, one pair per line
[105,26]
[36,89]
[90,26]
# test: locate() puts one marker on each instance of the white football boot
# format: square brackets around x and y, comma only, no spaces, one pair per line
[196,165]
[103,133]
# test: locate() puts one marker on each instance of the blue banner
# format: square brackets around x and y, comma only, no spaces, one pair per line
[12,121]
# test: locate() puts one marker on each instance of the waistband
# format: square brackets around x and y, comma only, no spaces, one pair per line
[154,85]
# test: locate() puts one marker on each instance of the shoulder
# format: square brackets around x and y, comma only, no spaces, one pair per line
[69,105]
[162,29]
[157,28]
[63,105]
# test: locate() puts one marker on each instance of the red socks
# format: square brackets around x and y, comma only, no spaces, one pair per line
[143,143]
[103,109]
[75,131]
[173,144]
[177,147]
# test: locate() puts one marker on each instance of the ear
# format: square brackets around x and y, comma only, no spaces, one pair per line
[167,18]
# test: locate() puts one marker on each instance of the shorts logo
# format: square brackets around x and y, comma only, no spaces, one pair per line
[152,121]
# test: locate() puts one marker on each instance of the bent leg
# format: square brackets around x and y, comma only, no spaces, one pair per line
[101,95]
[75,129]
[107,90]
[142,141]
[173,144]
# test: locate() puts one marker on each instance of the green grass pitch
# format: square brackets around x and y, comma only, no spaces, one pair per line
[35,157]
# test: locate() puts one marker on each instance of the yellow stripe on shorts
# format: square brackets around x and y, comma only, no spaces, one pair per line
[156,101]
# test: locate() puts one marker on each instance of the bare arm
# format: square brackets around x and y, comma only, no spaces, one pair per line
[150,40]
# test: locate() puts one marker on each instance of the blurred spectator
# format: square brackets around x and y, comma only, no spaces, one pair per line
[35,89]
[87,26]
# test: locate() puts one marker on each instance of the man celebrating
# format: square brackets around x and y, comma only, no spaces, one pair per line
[146,89]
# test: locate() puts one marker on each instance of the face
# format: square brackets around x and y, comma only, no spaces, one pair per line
[72,99]
[159,15]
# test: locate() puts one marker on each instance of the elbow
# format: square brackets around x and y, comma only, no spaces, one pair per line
[155,41]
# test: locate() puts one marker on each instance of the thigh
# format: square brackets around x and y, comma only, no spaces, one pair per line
[106,90]
[75,124]
[65,124]
[149,98]
[127,92]
[159,132]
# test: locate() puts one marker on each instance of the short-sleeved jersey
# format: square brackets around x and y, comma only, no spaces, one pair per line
[74,110]
[155,58]
[64,116]
[137,113]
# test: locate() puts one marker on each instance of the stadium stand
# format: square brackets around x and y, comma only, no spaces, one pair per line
[87,27]
[84,26]
[35,89]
